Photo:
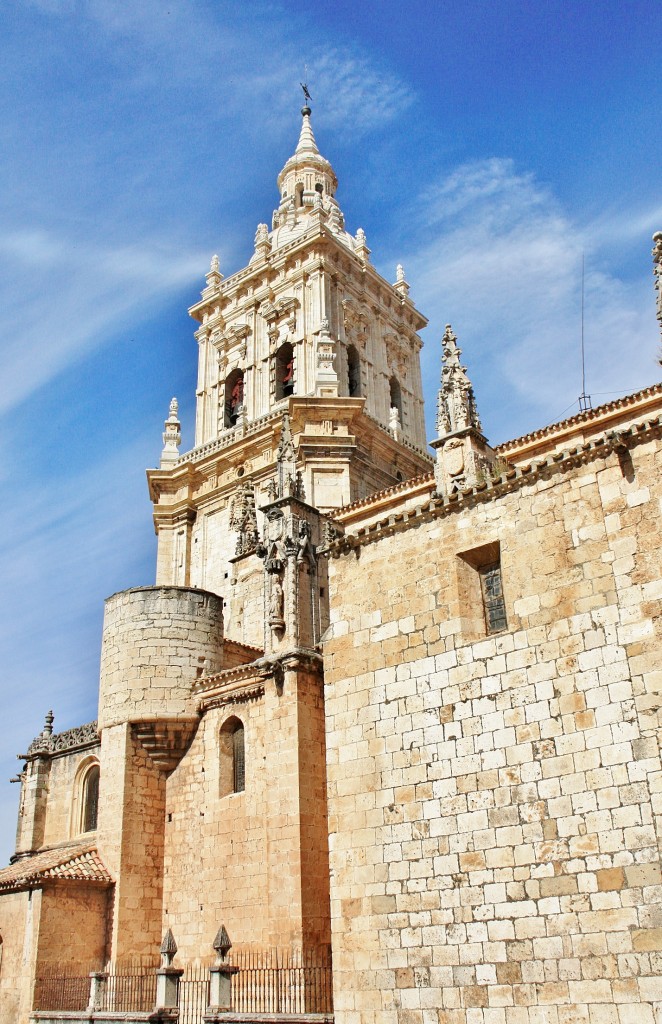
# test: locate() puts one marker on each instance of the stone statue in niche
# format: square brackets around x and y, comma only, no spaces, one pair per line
[276,604]
[304,544]
[394,422]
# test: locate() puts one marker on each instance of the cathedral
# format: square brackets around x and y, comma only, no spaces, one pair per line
[389,715]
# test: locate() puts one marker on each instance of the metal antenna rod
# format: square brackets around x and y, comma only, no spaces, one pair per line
[583,360]
[584,399]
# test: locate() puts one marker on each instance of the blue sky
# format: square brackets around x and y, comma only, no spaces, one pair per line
[484,145]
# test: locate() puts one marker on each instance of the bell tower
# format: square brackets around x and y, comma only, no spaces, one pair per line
[307,328]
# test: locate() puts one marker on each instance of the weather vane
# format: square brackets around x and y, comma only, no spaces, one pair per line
[306,95]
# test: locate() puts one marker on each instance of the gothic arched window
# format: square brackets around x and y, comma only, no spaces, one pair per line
[233,757]
[284,371]
[353,373]
[234,397]
[87,797]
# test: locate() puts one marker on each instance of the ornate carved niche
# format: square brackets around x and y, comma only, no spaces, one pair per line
[243,519]
[230,345]
[397,356]
[356,323]
[212,317]
[238,338]
[281,320]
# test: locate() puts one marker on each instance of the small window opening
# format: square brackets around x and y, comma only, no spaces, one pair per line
[91,799]
[482,601]
[319,187]
[233,758]
[298,193]
[284,371]
[491,586]
[234,397]
[353,373]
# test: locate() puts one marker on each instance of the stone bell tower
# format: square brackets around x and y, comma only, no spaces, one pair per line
[308,328]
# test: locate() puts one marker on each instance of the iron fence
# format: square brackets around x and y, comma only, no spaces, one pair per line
[62,987]
[193,994]
[281,981]
[266,981]
[128,988]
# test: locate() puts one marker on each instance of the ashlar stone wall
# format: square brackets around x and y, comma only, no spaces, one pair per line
[254,860]
[494,800]
[20,935]
[64,806]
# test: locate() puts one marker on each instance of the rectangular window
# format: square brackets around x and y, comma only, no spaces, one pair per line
[480,591]
[493,602]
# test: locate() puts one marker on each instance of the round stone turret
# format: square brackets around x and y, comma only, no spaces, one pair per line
[156,642]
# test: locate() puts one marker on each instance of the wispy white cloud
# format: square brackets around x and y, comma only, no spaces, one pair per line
[364,94]
[78,294]
[616,225]
[81,248]
[64,548]
[503,264]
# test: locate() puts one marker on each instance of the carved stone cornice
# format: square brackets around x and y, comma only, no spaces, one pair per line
[171,480]
[78,738]
[232,697]
[512,478]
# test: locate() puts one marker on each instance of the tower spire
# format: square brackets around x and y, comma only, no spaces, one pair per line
[307,175]
[463,454]
[306,145]
[657,270]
